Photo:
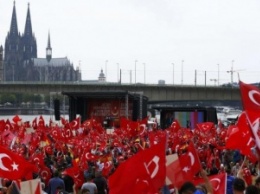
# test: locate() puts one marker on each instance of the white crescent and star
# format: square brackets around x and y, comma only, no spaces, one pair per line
[44,174]
[4,168]
[218,183]
[191,158]
[251,96]
[142,128]
[74,124]
[87,157]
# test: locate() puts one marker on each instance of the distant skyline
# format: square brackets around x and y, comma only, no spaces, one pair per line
[150,39]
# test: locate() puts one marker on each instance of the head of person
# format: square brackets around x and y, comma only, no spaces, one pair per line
[85,191]
[56,173]
[201,188]
[189,188]
[238,185]
[252,189]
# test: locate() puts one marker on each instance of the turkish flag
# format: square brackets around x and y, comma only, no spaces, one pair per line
[250,96]
[8,125]
[45,174]
[16,119]
[75,124]
[41,122]
[218,182]
[13,166]
[253,118]
[34,123]
[184,168]
[205,127]
[75,173]
[143,173]
[175,125]
[241,131]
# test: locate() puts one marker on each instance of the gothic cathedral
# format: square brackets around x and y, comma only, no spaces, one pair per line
[20,61]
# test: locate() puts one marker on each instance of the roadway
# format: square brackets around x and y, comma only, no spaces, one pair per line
[155,92]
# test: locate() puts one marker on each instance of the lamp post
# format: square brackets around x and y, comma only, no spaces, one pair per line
[231,72]
[182,72]
[172,73]
[144,72]
[13,72]
[218,74]
[118,72]
[135,70]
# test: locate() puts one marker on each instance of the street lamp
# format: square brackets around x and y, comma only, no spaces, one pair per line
[135,70]
[118,72]
[13,72]
[231,72]
[172,73]
[144,72]
[218,74]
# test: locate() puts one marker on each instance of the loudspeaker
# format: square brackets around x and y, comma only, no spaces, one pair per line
[57,109]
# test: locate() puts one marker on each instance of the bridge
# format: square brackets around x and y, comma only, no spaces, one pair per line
[155,93]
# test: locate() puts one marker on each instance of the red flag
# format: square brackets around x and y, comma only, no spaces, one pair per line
[16,119]
[75,173]
[185,167]
[175,125]
[144,172]
[250,96]
[13,166]
[254,121]
[45,174]
[38,189]
[205,127]
[218,182]
[63,121]
[8,125]
[41,122]
[75,124]
[34,123]
[241,132]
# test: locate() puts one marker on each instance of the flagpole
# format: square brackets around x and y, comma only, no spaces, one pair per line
[240,168]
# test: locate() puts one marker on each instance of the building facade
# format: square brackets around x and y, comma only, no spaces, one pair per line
[21,62]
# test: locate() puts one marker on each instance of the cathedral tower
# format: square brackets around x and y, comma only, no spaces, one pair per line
[19,49]
[49,49]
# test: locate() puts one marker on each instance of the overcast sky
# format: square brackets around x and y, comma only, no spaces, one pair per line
[147,37]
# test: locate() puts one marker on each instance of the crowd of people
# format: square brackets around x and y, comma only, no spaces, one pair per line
[82,161]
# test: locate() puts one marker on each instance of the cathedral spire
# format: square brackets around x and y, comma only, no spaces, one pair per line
[13,27]
[28,24]
[49,49]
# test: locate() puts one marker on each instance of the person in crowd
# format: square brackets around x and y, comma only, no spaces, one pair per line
[187,188]
[205,188]
[54,183]
[92,187]
[252,189]
[101,183]
[60,190]
[230,180]
[238,186]
[68,181]
[85,191]
[235,169]
[257,182]
[43,188]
